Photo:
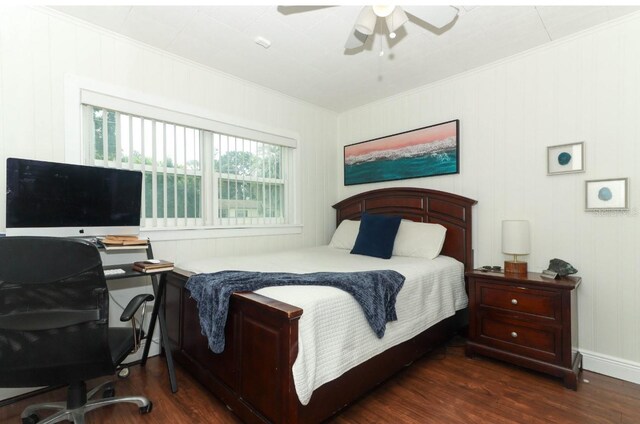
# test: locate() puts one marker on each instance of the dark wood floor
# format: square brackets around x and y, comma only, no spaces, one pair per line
[443,387]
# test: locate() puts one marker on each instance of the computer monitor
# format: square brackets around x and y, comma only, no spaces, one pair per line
[60,199]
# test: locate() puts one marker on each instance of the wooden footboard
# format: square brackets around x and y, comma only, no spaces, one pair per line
[253,375]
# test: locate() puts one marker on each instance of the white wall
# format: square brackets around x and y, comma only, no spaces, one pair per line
[39,48]
[585,88]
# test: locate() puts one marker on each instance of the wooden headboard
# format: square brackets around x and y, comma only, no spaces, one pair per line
[421,205]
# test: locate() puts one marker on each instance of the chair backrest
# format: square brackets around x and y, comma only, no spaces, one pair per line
[54,312]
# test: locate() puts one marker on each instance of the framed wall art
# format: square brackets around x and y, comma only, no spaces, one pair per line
[611,194]
[565,158]
[423,152]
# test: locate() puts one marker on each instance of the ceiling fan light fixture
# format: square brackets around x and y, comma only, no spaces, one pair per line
[366,22]
[395,20]
[383,10]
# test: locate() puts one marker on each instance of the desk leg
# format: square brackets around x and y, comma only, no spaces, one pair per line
[158,313]
[152,323]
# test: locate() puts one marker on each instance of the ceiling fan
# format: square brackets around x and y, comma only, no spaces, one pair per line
[394,16]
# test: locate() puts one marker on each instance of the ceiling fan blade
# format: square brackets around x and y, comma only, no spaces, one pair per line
[356,39]
[290,10]
[437,16]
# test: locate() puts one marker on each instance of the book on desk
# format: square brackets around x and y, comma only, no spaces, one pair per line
[152,265]
[123,242]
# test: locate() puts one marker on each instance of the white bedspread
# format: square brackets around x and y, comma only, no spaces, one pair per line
[334,335]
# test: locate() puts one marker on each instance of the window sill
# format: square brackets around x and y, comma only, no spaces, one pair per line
[171,234]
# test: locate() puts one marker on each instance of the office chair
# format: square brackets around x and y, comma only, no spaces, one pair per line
[54,325]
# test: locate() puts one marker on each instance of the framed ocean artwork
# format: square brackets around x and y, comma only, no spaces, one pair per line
[423,152]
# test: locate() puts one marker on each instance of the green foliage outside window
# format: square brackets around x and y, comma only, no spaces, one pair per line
[98,115]
[193,190]
[248,184]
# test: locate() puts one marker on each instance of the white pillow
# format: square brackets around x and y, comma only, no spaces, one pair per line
[345,235]
[419,239]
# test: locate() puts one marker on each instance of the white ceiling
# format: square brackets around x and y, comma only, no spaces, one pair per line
[307,59]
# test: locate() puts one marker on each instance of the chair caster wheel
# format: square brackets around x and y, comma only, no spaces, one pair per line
[31,419]
[146,409]
[123,373]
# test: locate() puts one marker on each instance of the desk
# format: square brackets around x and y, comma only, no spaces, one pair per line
[159,288]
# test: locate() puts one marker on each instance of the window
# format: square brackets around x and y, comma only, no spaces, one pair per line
[250,182]
[194,176]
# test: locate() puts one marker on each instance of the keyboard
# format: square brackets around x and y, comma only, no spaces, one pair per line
[115,271]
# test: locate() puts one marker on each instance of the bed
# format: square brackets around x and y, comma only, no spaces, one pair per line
[254,375]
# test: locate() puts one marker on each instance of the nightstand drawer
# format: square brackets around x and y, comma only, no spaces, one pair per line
[537,341]
[519,299]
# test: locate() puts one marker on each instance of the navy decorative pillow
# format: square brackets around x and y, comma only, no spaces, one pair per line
[377,235]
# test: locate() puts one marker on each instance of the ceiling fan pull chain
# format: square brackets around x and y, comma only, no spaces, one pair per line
[392,33]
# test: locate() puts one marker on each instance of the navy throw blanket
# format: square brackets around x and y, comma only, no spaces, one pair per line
[375,291]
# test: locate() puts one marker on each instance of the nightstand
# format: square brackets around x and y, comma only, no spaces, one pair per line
[526,320]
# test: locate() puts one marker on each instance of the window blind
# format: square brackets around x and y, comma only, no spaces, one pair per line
[193,176]
[140,109]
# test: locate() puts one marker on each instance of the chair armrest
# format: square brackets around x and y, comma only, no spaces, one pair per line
[133,306]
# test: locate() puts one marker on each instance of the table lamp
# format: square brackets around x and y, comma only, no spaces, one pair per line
[515,241]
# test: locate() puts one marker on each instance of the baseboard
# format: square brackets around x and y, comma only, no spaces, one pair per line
[611,366]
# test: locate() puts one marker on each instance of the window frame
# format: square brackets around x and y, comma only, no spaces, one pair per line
[79,91]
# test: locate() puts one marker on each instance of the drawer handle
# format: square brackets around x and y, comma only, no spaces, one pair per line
[514,301]
[514,334]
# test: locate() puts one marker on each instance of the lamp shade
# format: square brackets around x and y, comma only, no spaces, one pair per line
[366,21]
[396,19]
[515,237]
